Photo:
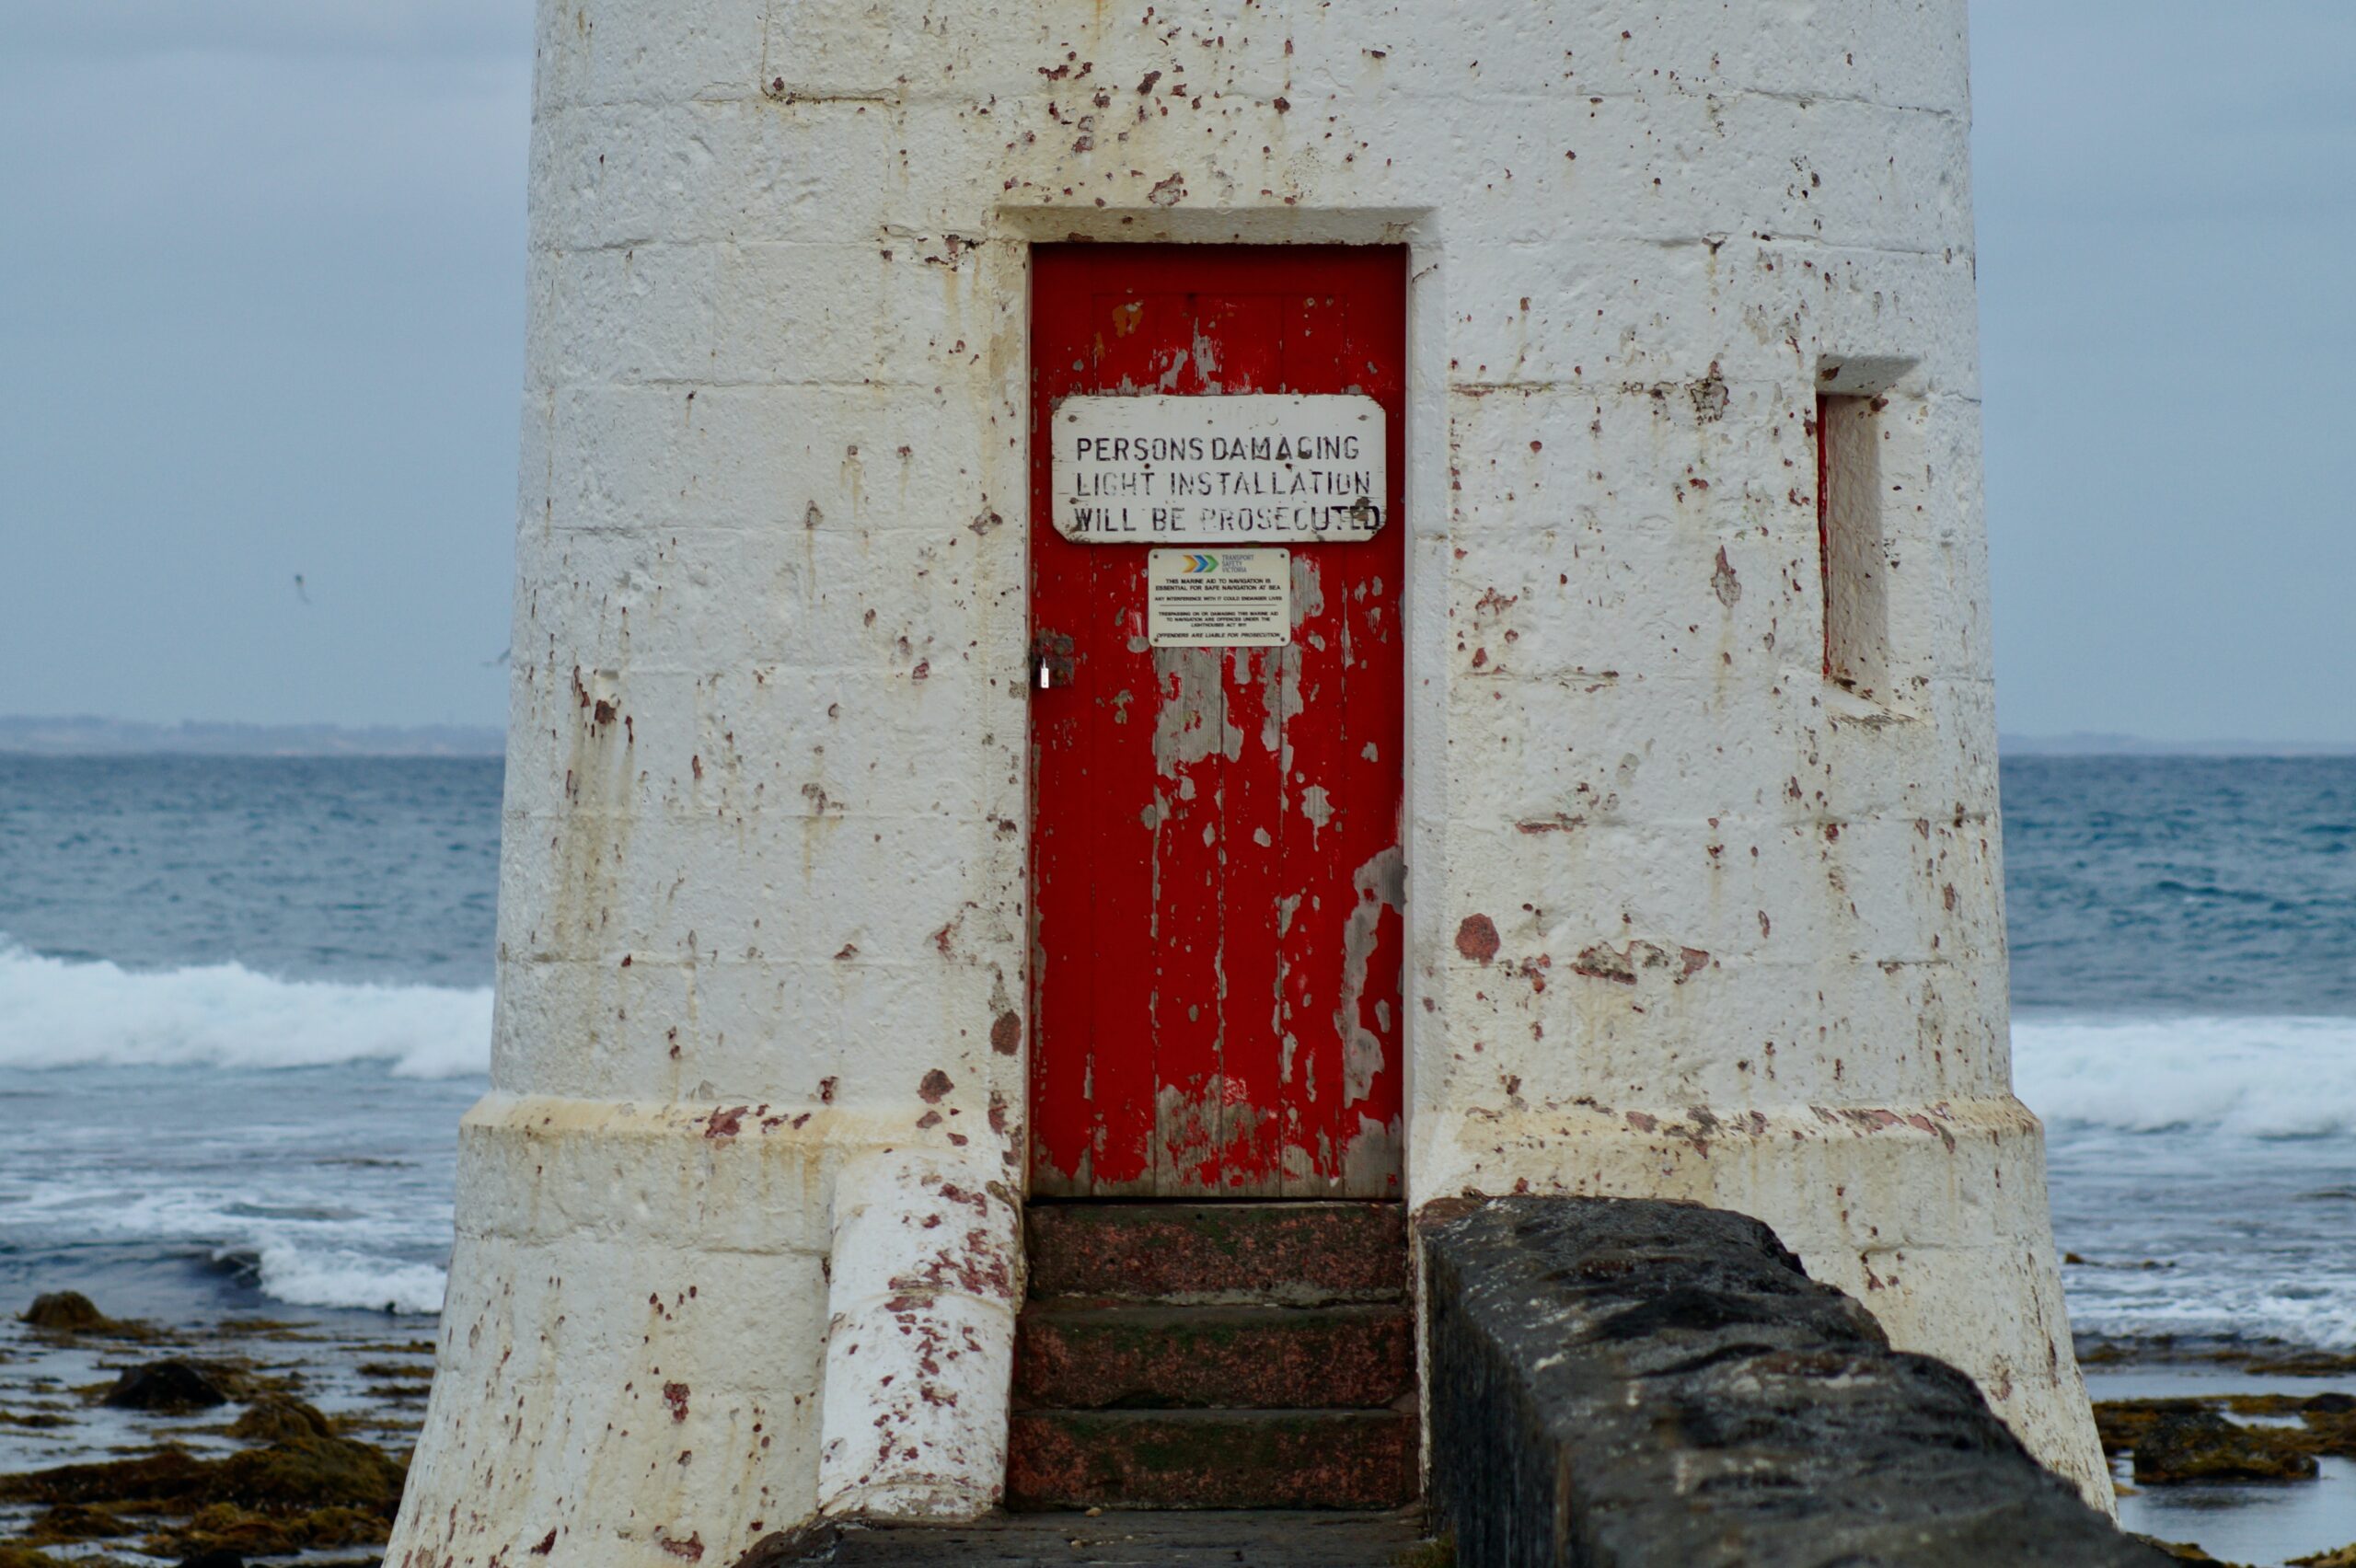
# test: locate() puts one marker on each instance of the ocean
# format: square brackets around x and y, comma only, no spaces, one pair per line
[243,1002]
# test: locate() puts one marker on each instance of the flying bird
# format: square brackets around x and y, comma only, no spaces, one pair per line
[298,588]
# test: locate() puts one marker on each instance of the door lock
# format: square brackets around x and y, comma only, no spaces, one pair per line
[1052,664]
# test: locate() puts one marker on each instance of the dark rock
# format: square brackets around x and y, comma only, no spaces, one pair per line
[66,1312]
[274,1418]
[167,1388]
[2184,1551]
[75,1522]
[2331,1404]
[2201,1445]
[2120,1422]
[1638,1383]
[2310,1364]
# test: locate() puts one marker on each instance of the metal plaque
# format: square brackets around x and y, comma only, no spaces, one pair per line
[1218,598]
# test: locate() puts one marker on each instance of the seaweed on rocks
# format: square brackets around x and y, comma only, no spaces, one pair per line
[69,1314]
[71,1522]
[226,1527]
[2326,1427]
[2344,1558]
[66,1312]
[274,1418]
[312,1473]
[295,1494]
[2201,1445]
[2119,1422]
[163,1477]
[2185,1551]
[15,1556]
[2306,1364]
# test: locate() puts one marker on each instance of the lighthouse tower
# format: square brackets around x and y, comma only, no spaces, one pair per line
[1286,610]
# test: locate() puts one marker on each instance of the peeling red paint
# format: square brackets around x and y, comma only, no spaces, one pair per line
[1476,937]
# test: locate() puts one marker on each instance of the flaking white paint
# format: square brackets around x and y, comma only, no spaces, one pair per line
[1684,917]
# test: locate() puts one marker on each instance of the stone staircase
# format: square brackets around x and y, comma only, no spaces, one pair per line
[1215,1355]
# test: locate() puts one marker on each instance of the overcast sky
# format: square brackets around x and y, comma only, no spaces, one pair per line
[261,307]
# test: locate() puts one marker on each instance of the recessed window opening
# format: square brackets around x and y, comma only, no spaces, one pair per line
[1851,545]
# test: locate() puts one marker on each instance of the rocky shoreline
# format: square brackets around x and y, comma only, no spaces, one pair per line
[2250,1445]
[127,1443]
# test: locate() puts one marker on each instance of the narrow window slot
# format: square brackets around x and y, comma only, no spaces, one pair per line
[1851,548]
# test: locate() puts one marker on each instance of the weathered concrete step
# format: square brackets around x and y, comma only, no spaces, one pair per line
[1299,1253]
[1248,1357]
[1130,1539]
[1211,1459]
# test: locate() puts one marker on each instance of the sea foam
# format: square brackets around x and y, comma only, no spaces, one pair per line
[2261,1078]
[307,1276]
[55,1013]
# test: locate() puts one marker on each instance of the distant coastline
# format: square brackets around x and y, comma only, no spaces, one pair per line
[84,736]
[2089,743]
[81,735]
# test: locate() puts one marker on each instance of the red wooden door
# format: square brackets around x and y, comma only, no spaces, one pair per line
[1216,876]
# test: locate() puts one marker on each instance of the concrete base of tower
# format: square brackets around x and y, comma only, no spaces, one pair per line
[672,1330]
[1933,1216]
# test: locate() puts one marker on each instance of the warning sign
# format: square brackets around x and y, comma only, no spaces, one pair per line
[1218,598]
[1247,468]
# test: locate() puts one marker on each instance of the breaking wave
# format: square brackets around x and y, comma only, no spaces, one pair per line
[2257,1077]
[56,1013]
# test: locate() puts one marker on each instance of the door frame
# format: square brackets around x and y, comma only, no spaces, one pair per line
[1006,276]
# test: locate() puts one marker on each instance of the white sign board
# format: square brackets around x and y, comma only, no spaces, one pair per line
[1253,469]
[1218,598]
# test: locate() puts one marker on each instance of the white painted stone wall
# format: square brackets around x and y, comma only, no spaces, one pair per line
[1685,918]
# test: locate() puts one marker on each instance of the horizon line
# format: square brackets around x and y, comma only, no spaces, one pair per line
[96,735]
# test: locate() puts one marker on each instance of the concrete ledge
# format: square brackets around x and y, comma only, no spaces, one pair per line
[1629,1383]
